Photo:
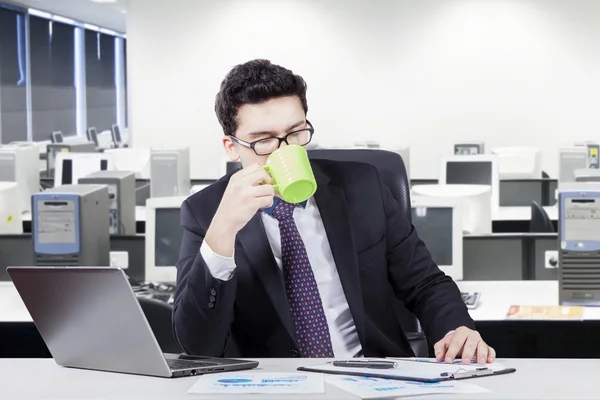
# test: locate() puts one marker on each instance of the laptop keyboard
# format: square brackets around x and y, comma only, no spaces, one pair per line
[186,364]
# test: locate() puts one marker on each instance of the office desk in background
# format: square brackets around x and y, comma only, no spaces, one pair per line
[523,213]
[534,379]
[140,214]
[510,338]
[531,338]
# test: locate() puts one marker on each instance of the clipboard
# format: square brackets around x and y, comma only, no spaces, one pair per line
[424,372]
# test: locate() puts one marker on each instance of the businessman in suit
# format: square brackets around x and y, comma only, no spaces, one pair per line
[259,277]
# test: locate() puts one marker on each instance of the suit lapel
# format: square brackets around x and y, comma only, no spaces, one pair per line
[253,240]
[333,208]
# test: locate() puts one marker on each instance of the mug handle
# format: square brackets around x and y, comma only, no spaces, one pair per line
[268,169]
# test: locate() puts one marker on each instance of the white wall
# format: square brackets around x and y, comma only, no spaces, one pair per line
[423,73]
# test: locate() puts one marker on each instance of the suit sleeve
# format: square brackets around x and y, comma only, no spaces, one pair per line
[417,281]
[203,306]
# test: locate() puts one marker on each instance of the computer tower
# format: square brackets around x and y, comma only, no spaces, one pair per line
[121,199]
[69,225]
[577,157]
[170,173]
[20,164]
[579,238]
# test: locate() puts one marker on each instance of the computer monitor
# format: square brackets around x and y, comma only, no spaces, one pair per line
[473,170]
[70,167]
[475,201]
[438,221]
[92,136]
[115,132]
[469,148]
[519,162]
[20,163]
[163,238]
[136,160]
[56,137]
[11,221]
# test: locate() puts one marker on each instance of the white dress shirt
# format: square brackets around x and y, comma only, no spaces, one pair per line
[344,338]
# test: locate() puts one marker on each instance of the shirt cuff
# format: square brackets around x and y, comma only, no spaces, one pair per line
[452,331]
[220,267]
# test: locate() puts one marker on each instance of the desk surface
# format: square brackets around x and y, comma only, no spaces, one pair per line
[534,379]
[522,213]
[503,214]
[140,214]
[496,298]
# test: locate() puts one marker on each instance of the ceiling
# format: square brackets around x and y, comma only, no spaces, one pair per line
[106,15]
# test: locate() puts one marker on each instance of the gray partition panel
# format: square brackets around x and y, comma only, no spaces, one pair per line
[493,258]
[541,245]
[520,192]
[142,193]
[17,250]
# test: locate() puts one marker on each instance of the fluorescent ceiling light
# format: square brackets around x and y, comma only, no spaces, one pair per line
[39,13]
[58,18]
[103,1]
[91,27]
[108,32]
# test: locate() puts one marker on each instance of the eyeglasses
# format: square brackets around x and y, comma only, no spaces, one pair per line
[266,146]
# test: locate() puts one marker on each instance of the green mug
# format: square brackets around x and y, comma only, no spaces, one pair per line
[290,169]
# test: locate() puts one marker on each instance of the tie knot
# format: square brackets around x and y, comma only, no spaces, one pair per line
[283,210]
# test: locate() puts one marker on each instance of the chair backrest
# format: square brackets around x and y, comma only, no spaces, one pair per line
[159,316]
[390,166]
[393,172]
[540,221]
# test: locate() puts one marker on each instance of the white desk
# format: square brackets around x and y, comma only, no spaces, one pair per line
[12,308]
[140,214]
[498,296]
[42,378]
[522,213]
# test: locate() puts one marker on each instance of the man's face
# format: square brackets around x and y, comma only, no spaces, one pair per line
[273,118]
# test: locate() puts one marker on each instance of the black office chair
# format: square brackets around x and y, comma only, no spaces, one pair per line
[540,221]
[545,175]
[393,172]
[158,313]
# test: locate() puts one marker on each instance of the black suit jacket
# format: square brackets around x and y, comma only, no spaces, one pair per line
[376,251]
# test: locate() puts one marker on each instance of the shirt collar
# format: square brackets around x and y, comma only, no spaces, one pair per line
[276,201]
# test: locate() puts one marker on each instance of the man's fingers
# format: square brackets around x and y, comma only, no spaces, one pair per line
[455,346]
[482,352]
[491,355]
[259,176]
[263,190]
[469,348]
[440,349]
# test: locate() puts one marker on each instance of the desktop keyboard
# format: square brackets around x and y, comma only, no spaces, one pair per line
[471,299]
[186,364]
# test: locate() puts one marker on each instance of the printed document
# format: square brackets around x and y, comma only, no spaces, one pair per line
[259,382]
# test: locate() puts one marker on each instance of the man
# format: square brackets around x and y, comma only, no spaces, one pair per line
[259,277]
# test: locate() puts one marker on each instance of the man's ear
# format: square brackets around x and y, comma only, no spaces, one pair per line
[230,149]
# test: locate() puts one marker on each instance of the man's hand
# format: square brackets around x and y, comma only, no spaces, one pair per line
[248,191]
[467,344]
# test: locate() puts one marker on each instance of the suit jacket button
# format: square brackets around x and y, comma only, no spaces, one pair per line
[211,305]
[295,353]
[213,292]
[212,299]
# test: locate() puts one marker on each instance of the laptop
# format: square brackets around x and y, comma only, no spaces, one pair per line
[90,318]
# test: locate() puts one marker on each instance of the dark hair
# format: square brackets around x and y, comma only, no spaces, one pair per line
[255,82]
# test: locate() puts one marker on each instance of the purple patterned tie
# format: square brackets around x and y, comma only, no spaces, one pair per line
[301,287]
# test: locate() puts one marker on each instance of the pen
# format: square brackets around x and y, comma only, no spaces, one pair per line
[377,364]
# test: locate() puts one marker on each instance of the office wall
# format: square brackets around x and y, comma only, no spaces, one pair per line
[422,73]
